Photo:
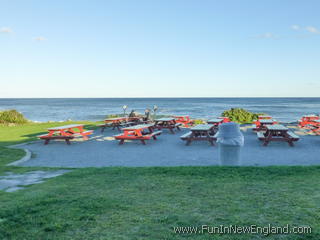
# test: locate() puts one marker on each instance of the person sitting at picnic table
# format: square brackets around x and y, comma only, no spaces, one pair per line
[132,113]
[146,115]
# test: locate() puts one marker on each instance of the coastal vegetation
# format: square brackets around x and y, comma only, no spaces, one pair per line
[12,117]
[240,115]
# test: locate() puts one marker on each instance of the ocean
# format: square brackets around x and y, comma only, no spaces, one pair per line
[94,109]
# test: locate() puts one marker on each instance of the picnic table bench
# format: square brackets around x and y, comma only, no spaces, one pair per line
[168,123]
[140,132]
[66,133]
[277,132]
[202,132]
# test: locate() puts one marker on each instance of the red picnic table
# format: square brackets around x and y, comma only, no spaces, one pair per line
[308,121]
[315,127]
[260,117]
[184,120]
[140,132]
[225,119]
[66,132]
[169,123]
[277,132]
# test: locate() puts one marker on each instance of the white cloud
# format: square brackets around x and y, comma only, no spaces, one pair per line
[295,27]
[312,29]
[6,30]
[267,35]
[40,39]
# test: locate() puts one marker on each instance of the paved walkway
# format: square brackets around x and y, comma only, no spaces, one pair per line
[12,182]
[169,150]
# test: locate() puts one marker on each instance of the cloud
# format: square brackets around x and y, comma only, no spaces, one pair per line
[6,30]
[39,39]
[312,29]
[295,27]
[267,35]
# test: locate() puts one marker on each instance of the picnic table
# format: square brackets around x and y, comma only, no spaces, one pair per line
[184,120]
[169,123]
[260,117]
[202,132]
[140,132]
[261,125]
[116,122]
[66,132]
[307,121]
[277,132]
[215,121]
[225,119]
[315,127]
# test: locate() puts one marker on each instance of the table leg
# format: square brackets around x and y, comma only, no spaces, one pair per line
[68,141]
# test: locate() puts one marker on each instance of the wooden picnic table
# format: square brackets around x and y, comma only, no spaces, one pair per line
[261,124]
[140,132]
[202,132]
[169,123]
[215,121]
[113,122]
[277,132]
[65,132]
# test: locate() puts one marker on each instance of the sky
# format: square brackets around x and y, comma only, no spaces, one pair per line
[159,48]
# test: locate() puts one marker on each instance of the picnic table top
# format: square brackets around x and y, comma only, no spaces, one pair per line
[115,119]
[137,127]
[215,120]
[202,127]
[266,121]
[277,127]
[65,127]
[164,119]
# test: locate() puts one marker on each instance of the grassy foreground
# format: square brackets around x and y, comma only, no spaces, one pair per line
[146,203]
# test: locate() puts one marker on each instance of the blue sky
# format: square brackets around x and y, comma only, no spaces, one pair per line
[167,48]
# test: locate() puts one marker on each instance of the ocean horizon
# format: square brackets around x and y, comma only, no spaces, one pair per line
[286,109]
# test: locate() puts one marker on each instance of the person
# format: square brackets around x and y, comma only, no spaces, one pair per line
[146,115]
[132,113]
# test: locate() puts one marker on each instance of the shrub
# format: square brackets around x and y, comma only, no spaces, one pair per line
[12,116]
[198,121]
[240,115]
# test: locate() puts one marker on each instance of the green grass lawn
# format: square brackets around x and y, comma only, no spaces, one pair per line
[146,203]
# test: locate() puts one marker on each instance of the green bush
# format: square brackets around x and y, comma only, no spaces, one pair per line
[241,115]
[12,116]
[198,121]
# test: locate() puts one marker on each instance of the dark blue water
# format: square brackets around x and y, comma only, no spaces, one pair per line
[284,109]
